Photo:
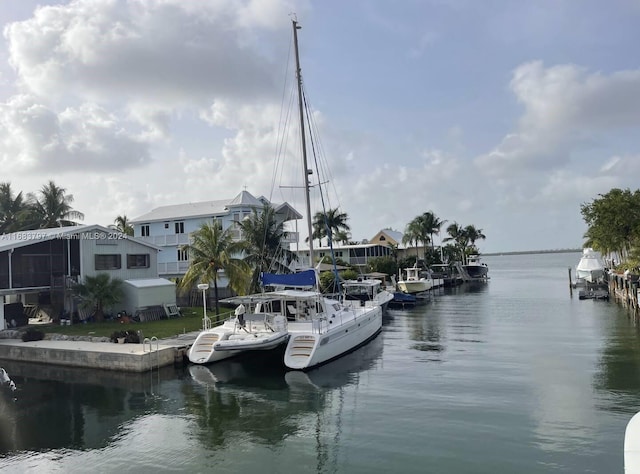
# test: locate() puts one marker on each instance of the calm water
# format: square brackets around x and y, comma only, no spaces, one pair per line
[511,376]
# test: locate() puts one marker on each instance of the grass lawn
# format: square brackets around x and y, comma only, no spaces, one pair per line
[191,320]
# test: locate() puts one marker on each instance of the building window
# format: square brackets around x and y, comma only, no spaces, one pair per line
[144,230]
[382,239]
[179,227]
[138,260]
[166,225]
[339,253]
[183,255]
[107,262]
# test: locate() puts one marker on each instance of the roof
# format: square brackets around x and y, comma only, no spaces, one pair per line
[149,282]
[28,237]
[211,208]
[186,210]
[245,199]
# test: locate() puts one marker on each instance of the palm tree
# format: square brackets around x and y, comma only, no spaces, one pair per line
[123,225]
[99,292]
[412,235]
[262,237]
[458,236]
[13,209]
[53,207]
[330,223]
[211,251]
[432,225]
[473,234]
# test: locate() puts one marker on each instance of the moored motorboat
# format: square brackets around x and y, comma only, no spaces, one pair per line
[475,269]
[413,283]
[590,268]
[368,291]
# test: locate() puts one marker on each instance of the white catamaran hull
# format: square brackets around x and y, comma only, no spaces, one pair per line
[230,339]
[308,347]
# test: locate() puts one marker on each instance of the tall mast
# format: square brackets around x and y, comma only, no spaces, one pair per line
[305,171]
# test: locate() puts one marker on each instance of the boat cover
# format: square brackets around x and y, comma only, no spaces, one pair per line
[300,280]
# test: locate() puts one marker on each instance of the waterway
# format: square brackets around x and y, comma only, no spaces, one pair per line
[512,376]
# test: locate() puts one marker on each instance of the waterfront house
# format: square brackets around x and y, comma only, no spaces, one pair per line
[38,267]
[168,227]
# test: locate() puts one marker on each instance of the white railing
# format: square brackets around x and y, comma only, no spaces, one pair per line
[166,268]
[166,240]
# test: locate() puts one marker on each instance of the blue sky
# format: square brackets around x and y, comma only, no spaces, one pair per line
[505,115]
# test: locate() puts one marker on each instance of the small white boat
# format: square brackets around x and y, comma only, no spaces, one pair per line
[413,283]
[244,332]
[632,446]
[475,269]
[7,386]
[368,291]
[590,267]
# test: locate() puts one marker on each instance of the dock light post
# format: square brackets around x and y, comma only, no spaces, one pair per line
[206,322]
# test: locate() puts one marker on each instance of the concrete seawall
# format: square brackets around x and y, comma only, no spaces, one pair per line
[98,355]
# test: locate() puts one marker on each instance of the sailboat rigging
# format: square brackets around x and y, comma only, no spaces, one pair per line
[318,328]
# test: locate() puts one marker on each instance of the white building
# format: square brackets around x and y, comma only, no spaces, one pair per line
[37,267]
[168,227]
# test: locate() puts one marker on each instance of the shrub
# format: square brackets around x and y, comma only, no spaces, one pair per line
[129,336]
[32,335]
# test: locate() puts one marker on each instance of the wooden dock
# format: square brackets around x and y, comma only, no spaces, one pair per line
[625,292]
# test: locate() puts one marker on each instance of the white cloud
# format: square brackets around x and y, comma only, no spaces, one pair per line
[564,107]
[34,137]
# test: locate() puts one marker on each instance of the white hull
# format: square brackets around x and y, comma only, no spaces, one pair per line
[311,344]
[415,286]
[632,446]
[590,268]
[230,339]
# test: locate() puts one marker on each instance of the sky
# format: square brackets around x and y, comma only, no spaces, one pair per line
[501,114]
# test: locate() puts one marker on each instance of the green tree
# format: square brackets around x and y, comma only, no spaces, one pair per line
[329,224]
[422,228]
[613,222]
[385,265]
[211,251]
[13,210]
[123,225]
[473,235]
[99,292]
[460,240]
[411,235]
[263,236]
[52,208]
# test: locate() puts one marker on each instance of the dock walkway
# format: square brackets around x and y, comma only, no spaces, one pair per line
[99,355]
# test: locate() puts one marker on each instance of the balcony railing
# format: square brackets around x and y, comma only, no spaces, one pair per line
[166,240]
[172,268]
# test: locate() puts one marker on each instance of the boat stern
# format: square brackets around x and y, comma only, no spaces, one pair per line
[300,350]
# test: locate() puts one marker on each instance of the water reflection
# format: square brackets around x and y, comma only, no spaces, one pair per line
[258,398]
[59,407]
[618,375]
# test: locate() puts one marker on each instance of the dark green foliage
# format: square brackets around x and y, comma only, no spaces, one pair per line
[32,335]
[383,265]
[130,337]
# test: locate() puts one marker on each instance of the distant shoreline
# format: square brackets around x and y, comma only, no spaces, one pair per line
[528,252]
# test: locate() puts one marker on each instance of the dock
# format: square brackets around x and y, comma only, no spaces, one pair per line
[143,357]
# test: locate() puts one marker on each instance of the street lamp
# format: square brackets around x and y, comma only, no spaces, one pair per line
[206,322]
